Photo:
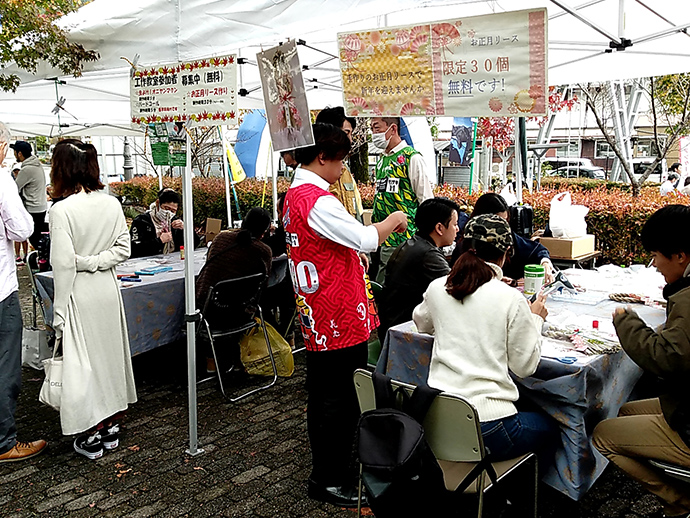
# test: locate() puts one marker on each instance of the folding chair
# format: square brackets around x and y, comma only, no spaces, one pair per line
[230,309]
[32,267]
[452,430]
[672,470]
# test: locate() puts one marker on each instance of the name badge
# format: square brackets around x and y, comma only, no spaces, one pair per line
[393,185]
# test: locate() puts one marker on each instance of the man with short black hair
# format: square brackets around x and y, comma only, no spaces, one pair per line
[31,182]
[402,183]
[417,262]
[345,189]
[658,428]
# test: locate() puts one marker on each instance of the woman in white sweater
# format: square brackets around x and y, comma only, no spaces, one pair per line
[483,330]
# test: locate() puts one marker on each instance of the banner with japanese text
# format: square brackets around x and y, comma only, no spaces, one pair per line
[481,66]
[198,93]
[285,98]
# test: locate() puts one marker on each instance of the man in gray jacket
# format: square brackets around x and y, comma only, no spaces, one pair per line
[31,182]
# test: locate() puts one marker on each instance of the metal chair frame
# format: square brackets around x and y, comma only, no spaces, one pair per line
[452,430]
[672,470]
[232,298]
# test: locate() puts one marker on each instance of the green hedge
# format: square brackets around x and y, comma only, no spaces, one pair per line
[615,217]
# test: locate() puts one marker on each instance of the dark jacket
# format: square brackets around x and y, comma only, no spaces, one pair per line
[665,353]
[525,252]
[413,265]
[231,256]
[144,240]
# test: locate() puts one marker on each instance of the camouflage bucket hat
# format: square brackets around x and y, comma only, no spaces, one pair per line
[491,229]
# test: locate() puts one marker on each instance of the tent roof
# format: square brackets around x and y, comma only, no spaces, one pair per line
[166,31]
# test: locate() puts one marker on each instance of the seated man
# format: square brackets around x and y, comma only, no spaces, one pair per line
[158,230]
[417,262]
[658,428]
[235,254]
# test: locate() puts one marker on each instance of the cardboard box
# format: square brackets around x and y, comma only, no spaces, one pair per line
[212,228]
[562,248]
[366,216]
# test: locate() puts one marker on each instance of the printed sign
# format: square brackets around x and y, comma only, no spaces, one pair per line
[199,93]
[481,66]
[287,112]
[168,143]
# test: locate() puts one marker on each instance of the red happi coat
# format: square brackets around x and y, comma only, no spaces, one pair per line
[329,279]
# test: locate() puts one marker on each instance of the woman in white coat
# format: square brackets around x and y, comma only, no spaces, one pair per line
[89,237]
[483,330]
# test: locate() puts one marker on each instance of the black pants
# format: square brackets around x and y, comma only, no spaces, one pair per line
[332,412]
[39,227]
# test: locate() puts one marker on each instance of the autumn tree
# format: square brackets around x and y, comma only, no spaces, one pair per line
[669,112]
[29,34]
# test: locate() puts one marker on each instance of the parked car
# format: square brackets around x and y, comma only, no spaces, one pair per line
[557,162]
[596,173]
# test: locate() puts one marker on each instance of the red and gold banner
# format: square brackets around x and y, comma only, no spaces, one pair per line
[493,66]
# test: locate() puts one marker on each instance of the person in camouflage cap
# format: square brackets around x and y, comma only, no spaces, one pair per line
[491,229]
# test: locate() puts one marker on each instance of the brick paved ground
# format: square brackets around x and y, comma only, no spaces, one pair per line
[256,462]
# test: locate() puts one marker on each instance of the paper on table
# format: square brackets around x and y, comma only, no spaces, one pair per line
[551,348]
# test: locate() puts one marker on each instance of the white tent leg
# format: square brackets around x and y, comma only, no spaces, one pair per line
[226,177]
[190,303]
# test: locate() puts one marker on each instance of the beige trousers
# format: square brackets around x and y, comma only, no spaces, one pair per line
[640,432]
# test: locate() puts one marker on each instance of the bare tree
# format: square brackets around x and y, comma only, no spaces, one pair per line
[669,103]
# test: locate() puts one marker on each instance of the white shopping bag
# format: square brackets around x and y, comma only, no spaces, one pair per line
[34,347]
[565,219]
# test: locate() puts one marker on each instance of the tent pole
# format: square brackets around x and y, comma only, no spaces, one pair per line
[190,304]
[274,184]
[226,177]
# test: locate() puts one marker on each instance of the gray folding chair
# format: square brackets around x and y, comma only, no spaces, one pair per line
[230,309]
[452,430]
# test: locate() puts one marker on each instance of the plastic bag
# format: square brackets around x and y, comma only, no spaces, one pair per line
[508,194]
[255,357]
[565,219]
[35,347]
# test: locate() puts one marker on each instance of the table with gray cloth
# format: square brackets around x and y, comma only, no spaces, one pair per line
[577,395]
[155,306]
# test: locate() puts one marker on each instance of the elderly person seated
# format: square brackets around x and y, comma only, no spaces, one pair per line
[658,428]
[524,251]
[236,253]
[417,262]
[483,330]
[158,230]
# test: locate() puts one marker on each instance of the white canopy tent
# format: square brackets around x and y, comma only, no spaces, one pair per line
[651,40]
[167,31]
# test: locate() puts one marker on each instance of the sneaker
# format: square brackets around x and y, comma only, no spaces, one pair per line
[89,446]
[23,450]
[19,261]
[110,437]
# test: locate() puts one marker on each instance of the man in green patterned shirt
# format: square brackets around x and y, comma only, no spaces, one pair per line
[402,183]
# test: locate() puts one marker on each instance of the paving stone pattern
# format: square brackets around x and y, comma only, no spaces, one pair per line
[256,458]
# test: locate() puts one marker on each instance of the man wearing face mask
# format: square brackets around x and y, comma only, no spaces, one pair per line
[402,183]
[158,230]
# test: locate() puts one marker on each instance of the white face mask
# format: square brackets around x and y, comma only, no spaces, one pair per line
[380,140]
[166,215]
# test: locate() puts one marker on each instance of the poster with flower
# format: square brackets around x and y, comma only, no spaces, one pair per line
[198,93]
[481,66]
[285,98]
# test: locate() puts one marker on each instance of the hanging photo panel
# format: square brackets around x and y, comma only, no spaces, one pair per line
[482,66]
[287,111]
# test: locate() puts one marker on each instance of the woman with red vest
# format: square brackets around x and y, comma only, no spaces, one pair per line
[329,280]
